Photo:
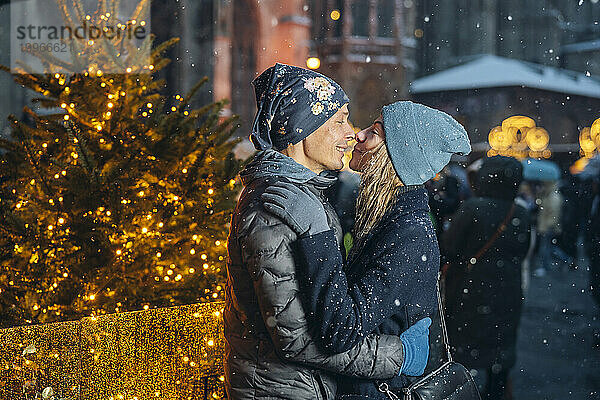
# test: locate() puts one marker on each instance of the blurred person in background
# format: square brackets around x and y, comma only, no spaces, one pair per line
[593,241]
[571,217]
[549,255]
[444,197]
[486,242]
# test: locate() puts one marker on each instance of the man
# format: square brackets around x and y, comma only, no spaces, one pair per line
[301,129]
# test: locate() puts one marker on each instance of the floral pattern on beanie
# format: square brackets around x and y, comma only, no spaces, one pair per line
[322,91]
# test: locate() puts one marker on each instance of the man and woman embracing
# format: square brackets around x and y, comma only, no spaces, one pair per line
[301,320]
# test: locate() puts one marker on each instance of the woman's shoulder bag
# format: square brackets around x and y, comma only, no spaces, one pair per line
[451,381]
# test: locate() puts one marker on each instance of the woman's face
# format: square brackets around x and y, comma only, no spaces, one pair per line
[366,141]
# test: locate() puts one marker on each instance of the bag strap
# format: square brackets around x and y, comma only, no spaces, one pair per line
[445,340]
[494,237]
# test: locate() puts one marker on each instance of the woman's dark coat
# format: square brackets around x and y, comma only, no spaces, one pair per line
[483,306]
[385,288]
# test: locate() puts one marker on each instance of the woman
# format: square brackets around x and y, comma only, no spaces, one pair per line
[483,288]
[389,282]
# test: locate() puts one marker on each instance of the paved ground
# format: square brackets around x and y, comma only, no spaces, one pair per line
[556,355]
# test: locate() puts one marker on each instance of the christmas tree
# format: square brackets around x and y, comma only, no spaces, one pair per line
[116,198]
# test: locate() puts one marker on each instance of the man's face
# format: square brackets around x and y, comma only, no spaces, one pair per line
[324,148]
[367,140]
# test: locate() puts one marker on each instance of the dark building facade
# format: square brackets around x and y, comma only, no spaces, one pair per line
[368,47]
[563,34]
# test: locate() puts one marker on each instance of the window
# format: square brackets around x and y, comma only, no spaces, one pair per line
[337,23]
[385,18]
[360,18]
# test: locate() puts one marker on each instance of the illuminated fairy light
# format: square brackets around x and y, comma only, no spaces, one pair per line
[199,347]
[313,62]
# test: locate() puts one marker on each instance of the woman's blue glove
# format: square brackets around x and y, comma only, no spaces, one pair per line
[415,342]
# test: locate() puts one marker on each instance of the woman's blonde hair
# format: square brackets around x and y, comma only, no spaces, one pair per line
[377,192]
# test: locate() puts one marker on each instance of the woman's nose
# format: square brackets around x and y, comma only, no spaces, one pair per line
[361,136]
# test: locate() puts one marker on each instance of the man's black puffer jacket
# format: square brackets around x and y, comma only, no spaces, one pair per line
[270,348]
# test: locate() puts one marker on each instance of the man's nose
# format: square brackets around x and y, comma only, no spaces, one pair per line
[349,132]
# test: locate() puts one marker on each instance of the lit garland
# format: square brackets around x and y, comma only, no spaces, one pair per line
[169,353]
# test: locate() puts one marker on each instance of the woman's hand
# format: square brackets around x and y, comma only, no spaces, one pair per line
[297,207]
[415,342]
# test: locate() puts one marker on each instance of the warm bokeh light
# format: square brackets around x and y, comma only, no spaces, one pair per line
[595,132]
[519,137]
[586,143]
[518,122]
[537,139]
[335,15]
[313,63]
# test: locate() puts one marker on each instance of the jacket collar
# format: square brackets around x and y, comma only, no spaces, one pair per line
[269,164]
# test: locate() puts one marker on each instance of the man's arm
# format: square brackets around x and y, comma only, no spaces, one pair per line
[346,313]
[266,250]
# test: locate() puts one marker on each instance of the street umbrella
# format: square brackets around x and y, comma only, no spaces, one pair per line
[540,170]
[592,169]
